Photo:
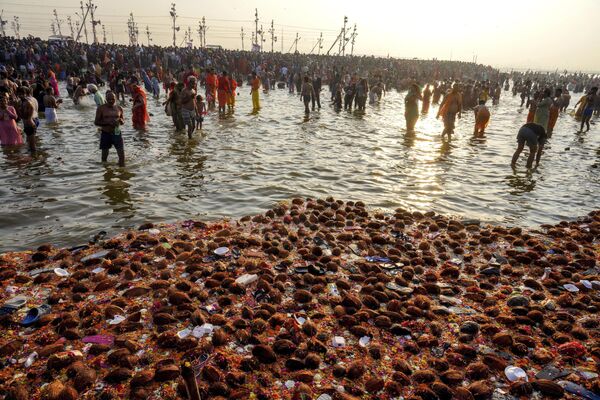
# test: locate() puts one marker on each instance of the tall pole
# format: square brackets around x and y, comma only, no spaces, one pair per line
[200,32]
[204,28]
[344,39]
[335,41]
[70,23]
[353,38]
[103,34]
[189,36]
[83,17]
[296,43]
[2,23]
[262,37]
[16,27]
[242,36]
[92,8]
[57,22]
[175,28]
[273,37]
[320,44]
[281,40]
[53,28]
[256,25]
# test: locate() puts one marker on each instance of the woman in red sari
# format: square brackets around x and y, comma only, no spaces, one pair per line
[224,91]
[139,110]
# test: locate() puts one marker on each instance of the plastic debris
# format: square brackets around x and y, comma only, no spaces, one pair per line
[514,374]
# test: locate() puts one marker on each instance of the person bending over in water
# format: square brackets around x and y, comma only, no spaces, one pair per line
[450,107]
[109,117]
[535,136]
[587,105]
[482,118]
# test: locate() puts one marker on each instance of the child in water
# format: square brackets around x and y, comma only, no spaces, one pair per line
[200,110]
[482,118]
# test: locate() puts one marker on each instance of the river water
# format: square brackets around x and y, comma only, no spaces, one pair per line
[244,163]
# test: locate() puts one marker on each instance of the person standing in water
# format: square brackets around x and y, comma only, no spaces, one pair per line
[306,93]
[565,99]
[188,106]
[254,92]
[426,100]
[451,107]
[231,99]
[27,111]
[200,111]
[211,88]
[554,110]
[535,137]
[317,84]
[139,110]
[542,112]
[109,117]
[482,118]
[587,107]
[411,107]
[51,105]
[9,131]
[224,91]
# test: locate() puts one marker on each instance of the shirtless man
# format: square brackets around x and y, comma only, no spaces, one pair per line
[188,106]
[109,117]
[50,106]
[27,111]
[79,93]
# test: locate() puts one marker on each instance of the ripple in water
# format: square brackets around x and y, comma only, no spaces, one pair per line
[246,162]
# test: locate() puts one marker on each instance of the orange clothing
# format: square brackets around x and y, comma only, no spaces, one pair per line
[256,83]
[224,90]
[482,118]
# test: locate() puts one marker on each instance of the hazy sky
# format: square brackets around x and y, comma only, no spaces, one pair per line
[546,34]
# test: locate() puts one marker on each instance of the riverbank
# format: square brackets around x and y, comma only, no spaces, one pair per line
[315,298]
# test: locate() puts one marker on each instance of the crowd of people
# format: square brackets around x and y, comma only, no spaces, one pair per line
[198,81]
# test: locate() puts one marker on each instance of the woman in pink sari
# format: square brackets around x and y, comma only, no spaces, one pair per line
[53,82]
[10,134]
[139,111]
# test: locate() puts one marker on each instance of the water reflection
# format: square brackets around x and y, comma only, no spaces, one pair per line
[409,138]
[189,163]
[520,183]
[116,189]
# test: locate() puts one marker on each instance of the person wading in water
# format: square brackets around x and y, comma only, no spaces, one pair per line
[109,117]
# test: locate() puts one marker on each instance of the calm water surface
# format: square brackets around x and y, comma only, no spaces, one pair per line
[244,163]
